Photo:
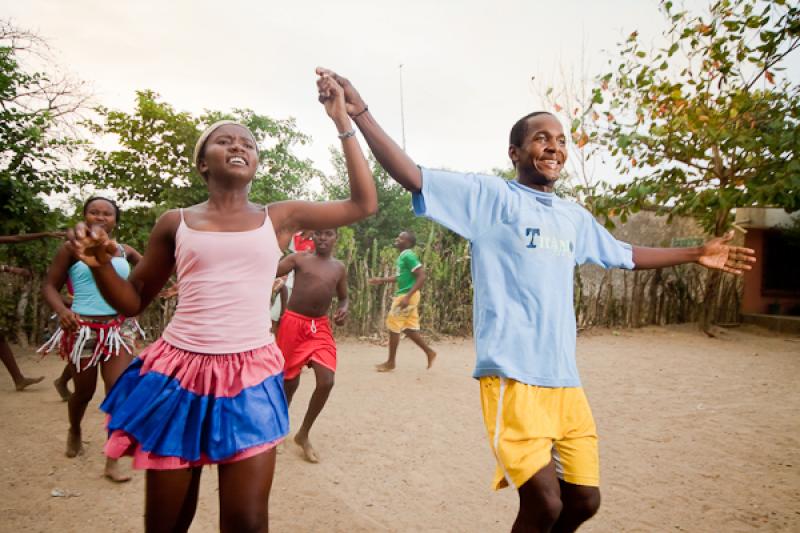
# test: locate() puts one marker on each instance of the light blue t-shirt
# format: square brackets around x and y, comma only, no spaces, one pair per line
[87,299]
[524,246]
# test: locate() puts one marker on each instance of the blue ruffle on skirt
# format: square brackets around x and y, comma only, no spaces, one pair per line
[169,420]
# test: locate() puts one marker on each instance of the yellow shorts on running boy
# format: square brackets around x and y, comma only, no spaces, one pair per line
[529,426]
[399,318]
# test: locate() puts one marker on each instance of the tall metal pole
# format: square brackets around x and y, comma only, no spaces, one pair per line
[402,110]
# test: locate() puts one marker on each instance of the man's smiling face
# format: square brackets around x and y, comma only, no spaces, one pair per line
[540,158]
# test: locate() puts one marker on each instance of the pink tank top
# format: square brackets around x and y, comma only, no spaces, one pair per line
[224,285]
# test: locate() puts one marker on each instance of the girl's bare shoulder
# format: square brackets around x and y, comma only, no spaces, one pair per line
[167,224]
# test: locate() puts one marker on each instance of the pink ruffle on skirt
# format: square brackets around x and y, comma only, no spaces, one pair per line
[121,444]
[175,409]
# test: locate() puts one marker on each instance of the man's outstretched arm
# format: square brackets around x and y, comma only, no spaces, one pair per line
[714,254]
[391,157]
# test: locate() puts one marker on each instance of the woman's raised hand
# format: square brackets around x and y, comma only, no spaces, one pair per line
[331,95]
[91,245]
[355,104]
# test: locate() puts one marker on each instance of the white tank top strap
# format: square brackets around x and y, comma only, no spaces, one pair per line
[181,211]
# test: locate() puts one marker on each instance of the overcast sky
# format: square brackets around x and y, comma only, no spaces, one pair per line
[467,64]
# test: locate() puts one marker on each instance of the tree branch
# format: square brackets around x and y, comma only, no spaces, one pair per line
[794,45]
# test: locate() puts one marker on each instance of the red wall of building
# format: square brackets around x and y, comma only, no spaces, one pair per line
[753,301]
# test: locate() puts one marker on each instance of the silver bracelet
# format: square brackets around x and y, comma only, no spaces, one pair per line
[346,134]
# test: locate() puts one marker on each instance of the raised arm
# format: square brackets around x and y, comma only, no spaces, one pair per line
[291,216]
[129,297]
[714,254]
[391,157]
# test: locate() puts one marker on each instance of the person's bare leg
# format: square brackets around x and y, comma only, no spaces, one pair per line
[113,368]
[85,383]
[325,380]
[61,381]
[244,488]
[290,387]
[415,336]
[539,502]
[170,499]
[580,504]
[111,371]
[394,341]
[7,356]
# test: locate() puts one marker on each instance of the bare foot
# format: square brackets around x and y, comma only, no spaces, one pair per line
[62,389]
[431,356]
[308,451]
[74,444]
[113,472]
[384,367]
[26,382]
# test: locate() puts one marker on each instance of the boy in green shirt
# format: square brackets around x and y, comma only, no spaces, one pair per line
[404,315]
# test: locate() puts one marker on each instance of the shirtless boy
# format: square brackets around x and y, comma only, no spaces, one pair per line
[305,336]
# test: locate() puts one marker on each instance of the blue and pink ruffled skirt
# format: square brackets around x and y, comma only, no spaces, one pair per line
[176,409]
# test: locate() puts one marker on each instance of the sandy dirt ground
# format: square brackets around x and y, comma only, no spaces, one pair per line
[696,434]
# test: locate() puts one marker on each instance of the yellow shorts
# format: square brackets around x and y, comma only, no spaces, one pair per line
[529,426]
[403,318]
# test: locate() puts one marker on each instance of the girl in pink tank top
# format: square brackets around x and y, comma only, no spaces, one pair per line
[210,390]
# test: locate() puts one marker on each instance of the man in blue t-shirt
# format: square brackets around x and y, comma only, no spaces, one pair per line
[525,243]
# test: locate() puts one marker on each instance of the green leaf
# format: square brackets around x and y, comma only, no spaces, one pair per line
[753,22]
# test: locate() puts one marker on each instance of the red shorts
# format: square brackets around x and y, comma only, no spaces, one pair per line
[304,339]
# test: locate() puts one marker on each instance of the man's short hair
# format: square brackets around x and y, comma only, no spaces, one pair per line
[412,238]
[520,128]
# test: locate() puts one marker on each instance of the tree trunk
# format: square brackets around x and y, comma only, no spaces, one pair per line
[714,281]
[709,307]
